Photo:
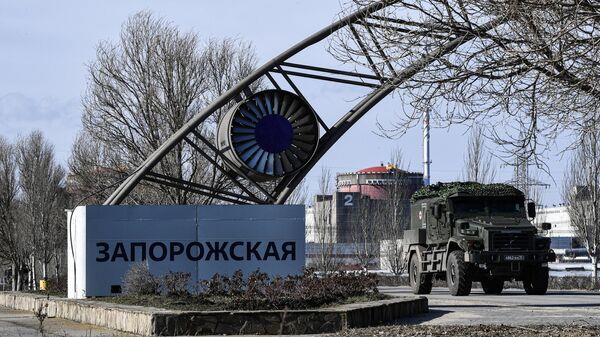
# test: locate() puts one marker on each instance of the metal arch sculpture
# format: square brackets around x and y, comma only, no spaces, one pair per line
[246,154]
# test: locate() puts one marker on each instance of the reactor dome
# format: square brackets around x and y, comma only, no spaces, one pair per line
[375,182]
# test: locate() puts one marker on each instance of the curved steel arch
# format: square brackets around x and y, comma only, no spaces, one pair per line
[283,188]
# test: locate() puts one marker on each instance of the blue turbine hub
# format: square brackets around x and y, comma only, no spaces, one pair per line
[274,133]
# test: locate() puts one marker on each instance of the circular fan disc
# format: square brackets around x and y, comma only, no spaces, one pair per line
[273,133]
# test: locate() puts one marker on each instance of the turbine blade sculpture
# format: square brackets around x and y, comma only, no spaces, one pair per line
[268,142]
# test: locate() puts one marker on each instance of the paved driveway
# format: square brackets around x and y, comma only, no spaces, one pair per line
[513,307]
[24,324]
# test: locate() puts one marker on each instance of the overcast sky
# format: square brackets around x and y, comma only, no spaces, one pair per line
[45,46]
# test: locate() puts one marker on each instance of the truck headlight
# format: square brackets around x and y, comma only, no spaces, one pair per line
[475,244]
[542,243]
[470,232]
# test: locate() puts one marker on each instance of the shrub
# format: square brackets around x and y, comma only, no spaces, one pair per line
[215,286]
[176,283]
[259,291]
[554,282]
[139,281]
[247,292]
[234,285]
[57,286]
[571,282]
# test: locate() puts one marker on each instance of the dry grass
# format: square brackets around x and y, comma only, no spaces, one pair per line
[476,331]
[558,283]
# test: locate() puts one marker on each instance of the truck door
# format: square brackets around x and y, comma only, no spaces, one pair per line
[438,230]
[430,223]
[444,228]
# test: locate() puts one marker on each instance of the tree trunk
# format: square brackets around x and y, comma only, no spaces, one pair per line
[595,271]
[57,267]
[44,270]
[29,277]
[20,278]
[33,276]
[14,276]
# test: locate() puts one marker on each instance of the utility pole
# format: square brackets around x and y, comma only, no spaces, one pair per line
[426,156]
[522,180]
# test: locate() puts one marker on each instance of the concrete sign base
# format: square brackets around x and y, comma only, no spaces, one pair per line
[104,241]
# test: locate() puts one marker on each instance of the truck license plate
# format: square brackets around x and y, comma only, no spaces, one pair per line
[514,257]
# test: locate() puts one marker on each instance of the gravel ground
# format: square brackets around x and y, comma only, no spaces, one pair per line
[513,307]
[476,331]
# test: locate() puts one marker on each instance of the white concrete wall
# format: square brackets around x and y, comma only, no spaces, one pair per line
[76,252]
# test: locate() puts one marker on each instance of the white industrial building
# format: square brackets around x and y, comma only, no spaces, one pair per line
[564,239]
[310,228]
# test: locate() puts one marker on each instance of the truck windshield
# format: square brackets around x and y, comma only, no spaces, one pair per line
[478,206]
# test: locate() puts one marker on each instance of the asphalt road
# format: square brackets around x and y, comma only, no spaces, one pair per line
[513,307]
[24,324]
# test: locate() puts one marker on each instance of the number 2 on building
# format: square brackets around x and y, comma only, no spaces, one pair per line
[348,200]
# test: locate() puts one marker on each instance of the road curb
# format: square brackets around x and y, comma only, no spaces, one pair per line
[161,322]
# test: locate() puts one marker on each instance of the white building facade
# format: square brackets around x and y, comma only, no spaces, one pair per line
[564,238]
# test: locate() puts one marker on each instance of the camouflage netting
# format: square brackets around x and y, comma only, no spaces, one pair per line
[444,190]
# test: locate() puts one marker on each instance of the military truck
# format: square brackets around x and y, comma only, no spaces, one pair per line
[471,232]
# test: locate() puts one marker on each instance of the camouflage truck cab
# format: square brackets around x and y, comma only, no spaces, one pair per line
[467,232]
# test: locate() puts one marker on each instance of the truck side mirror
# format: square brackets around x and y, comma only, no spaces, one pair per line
[437,211]
[450,217]
[531,209]
[546,226]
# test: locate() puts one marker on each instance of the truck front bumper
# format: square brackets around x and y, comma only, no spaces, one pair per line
[526,257]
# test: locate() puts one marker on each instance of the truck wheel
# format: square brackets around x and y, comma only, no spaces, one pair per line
[537,281]
[419,282]
[492,286]
[457,274]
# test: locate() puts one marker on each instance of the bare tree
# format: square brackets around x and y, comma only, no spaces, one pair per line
[478,164]
[13,241]
[526,178]
[300,195]
[324,232]
[93,169]
[365,231]
[143,89]
[58,232]
[393,214]
[41,182]
[581,194]
[527,65]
